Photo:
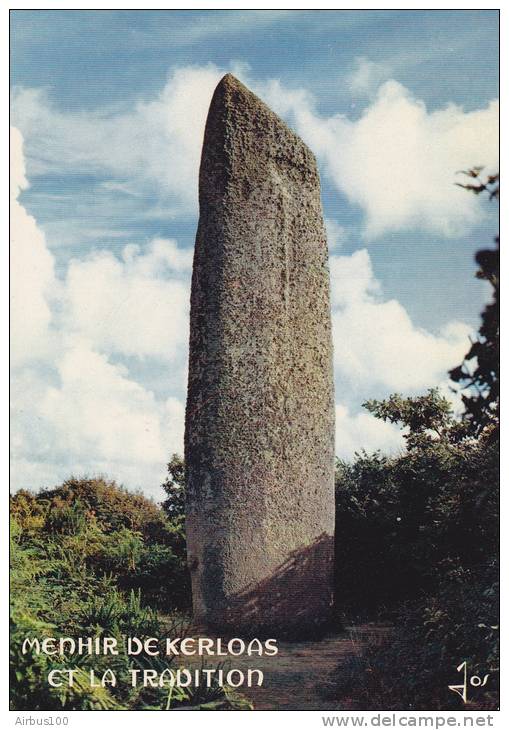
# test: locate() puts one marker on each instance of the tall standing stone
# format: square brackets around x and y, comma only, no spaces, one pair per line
[259,443]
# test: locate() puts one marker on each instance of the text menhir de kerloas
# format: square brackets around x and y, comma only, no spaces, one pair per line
[151,646]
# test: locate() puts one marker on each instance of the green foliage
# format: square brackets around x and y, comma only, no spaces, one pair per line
[414,667]
[401,519]
[417,541]
[426,417]
[175,487]
[91,559]
[478,376]
[115,532]
[111,506]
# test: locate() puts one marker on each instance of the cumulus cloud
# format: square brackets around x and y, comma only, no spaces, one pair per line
[18,180]
[97,408]
[136,305]
[90,417]
[153,147]
[397,161]
[32,271]
[336,234]
[377,346]
[74,411]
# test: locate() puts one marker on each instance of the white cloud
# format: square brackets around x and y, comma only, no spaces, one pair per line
[135,306]
[398,161]
[90,418]
[97,409]
[377,346]
[18,180]
[73,410]
[352,279]
[32,271]
[366,76]
[153,147]
[364,431]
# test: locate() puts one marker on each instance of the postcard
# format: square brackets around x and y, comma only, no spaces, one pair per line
[255,361]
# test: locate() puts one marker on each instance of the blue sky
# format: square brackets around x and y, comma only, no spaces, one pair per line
[109,108]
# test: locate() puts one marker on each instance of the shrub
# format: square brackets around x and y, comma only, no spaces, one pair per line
[417,537]
[91,559]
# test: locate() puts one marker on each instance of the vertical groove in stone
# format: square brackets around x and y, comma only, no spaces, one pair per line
[259,442]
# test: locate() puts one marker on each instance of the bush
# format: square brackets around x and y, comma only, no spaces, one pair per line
[91,559]
[413,669]
[417,540]
[398,519]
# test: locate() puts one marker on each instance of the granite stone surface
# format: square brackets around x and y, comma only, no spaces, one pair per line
[259,439]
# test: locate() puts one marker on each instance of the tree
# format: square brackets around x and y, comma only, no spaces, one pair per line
[479,373]
[426,418]
[175,487]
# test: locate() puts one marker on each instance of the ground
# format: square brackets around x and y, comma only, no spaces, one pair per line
[295,678]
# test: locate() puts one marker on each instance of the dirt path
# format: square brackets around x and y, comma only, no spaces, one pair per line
[294,677]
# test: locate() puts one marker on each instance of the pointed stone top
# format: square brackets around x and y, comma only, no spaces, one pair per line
[230,80]
[230,86]
[241,127]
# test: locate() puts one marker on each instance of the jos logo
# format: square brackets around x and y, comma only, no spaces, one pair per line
[475,681]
